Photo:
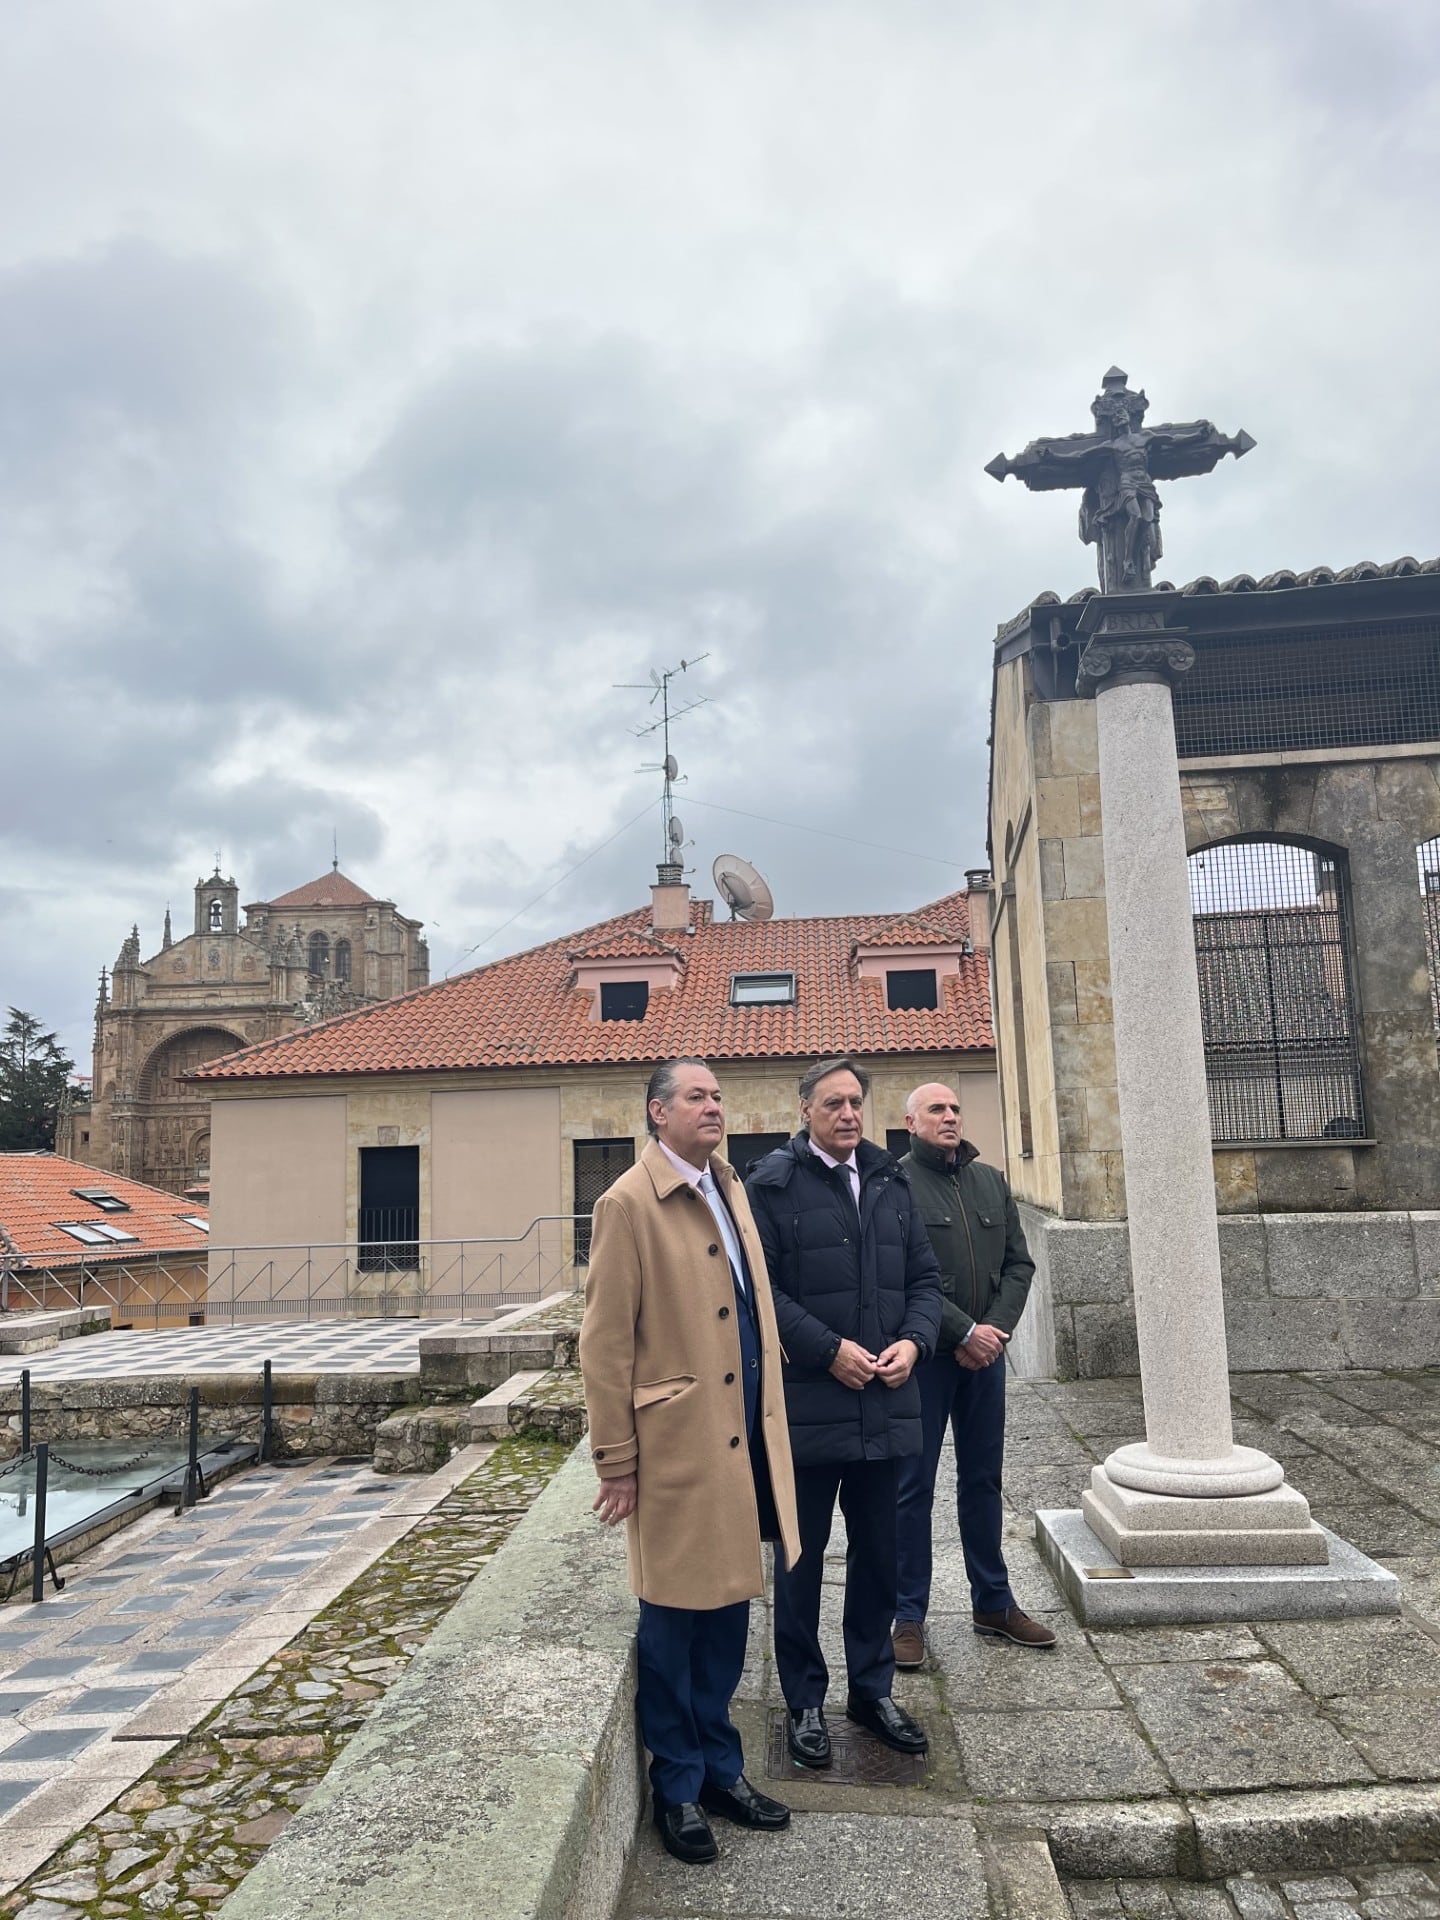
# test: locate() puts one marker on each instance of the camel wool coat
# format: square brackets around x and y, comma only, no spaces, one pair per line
[660,1356]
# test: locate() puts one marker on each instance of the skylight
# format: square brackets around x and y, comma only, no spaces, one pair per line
[762,989]
[93,1233]
[102,1197]
[194,1220]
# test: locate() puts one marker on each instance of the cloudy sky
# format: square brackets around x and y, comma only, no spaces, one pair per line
[380,385]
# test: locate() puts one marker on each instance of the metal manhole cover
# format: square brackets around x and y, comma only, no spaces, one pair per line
[860,1760]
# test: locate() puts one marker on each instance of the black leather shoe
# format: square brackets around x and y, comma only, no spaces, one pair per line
[747,1808]
[888,1723]
[686,1833]
[809,1738]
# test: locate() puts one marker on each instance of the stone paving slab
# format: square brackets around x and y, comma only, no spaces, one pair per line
[339,1347]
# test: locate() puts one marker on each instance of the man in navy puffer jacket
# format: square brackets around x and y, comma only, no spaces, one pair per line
[857,1302]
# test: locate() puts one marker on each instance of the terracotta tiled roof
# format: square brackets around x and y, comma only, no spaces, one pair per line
[330,890]
[909,931]
[525,1011]
[37,1190]
[629,945]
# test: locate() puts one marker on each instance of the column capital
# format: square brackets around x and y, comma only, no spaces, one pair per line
[1131,648]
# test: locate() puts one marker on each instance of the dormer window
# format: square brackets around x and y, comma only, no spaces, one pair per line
[624,999]
[102,1198]
[911,990]
[762,989]
[217,916]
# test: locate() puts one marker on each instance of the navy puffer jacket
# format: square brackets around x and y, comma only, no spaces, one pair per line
[873,1279]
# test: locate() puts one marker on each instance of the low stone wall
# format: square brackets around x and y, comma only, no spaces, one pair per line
[313,1413]
[1302,1291]
[500,1776]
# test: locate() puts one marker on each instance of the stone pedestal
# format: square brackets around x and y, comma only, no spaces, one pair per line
[1188,1495]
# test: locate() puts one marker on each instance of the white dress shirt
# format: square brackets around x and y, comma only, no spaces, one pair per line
[849,1166]
[703,1181]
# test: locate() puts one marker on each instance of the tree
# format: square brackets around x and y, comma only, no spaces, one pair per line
[34,1074]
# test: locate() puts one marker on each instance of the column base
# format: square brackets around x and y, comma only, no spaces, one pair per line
[1270,1529]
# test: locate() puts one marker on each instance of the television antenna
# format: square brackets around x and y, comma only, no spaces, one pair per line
[658,687]
[742,888]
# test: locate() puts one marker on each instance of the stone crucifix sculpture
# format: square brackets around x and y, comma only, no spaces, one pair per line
[1187,1496]
[1118,465]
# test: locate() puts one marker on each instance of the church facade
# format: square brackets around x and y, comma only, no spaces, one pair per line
[321,949]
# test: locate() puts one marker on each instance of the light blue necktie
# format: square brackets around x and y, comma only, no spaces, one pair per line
[727,1228]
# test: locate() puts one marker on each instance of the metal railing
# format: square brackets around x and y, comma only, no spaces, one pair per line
[350,1280]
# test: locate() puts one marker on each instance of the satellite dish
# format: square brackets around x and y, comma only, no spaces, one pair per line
[672,766]
[677,832]
[742,889]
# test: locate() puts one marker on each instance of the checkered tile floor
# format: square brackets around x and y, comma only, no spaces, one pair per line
[387,1346]
[139,1609]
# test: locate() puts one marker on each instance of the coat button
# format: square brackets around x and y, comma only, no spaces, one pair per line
[724,1313]
[712,1248]
[754,1363]
[729,1379]
[736,1441]
[600,1453]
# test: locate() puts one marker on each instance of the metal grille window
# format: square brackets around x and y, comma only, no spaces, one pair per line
[1428,857]
[1277,992]
[1374,685]
[388,1226]
[746,1150]
[598,1165]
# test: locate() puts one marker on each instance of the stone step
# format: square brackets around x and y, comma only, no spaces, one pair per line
[40,1332]
[491,1416]
[551,1404]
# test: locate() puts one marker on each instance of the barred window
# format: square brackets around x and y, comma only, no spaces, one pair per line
[1277,992]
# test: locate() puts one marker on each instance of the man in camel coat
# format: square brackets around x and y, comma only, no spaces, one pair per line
[681,1363]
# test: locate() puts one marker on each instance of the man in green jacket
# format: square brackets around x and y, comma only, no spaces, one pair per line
[985,1269]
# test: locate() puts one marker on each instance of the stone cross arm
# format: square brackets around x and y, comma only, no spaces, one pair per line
[1173,452]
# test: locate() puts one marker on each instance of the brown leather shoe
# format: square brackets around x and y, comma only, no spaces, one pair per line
[908,1644]
[1014,1625]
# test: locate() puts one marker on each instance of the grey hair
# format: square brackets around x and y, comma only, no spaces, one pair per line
[822,1070]
[663,1082]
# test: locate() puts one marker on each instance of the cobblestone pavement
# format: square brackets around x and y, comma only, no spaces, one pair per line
[1148,1717]
[1372,1893]
[179,1840]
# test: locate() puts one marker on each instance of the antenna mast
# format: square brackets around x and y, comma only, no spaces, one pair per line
[671,831]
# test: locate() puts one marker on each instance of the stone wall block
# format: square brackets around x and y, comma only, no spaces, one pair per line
[1242,1257]
[1052,870]
[1276,1336]
[1345,798]
[1102,1108]
[1087,794]
[1065,1349]
[1092,992]
[1084,1056]
[1236,1189]
[1390,1333]
[1084,869]
[1089,1261]
[1074,743]
[1341,1257]
[1305,1179]
[1426,1228]
[1072,1116]
[1057,808]
[1037,727]
[1093,1185]
[1407,794]
[1105,1342]
[1077,930]
[1060,990]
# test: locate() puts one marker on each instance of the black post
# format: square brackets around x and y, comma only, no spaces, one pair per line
[25,1409]
[42,1475]
[268,1417]
[192,1471]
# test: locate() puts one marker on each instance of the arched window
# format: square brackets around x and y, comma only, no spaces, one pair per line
[342,959]
[319,953]
[1277,991]
[217,917]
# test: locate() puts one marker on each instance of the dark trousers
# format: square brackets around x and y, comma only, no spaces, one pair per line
[690,1664]
[972,1406]
[867,1490]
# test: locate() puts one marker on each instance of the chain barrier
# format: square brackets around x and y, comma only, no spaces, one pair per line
[99,1473]
[14,1466]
